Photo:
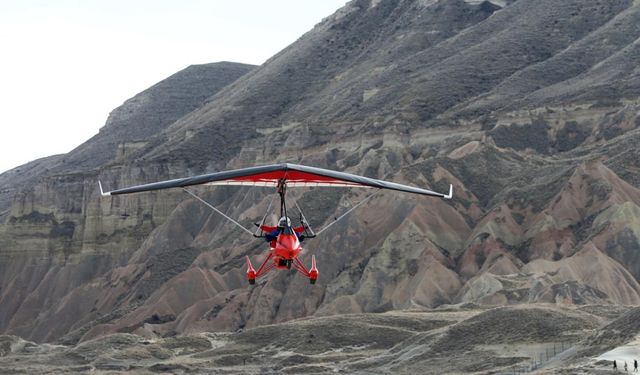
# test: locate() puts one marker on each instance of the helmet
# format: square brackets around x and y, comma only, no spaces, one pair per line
[284,222]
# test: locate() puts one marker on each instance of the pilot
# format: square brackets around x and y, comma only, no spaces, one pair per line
[273,232]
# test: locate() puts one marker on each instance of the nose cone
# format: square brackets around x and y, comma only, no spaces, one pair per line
[288,242]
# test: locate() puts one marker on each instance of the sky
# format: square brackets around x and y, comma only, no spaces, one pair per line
[66,64]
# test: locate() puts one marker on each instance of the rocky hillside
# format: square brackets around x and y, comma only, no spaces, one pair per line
[529,108]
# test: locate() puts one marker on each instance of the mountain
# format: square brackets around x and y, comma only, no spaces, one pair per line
[529,108]
[127,128]
[130,125]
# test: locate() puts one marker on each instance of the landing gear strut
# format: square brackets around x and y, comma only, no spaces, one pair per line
[294,263]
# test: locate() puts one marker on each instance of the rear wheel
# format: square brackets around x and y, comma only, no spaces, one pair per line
[252,281]
[312,281]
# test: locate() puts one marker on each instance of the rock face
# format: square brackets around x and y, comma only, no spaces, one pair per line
[529,108]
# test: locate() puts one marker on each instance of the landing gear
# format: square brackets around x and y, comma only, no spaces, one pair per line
[313,273]
[270,263]
[252,274]
[285,263]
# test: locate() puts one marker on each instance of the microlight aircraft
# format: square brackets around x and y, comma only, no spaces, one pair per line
[285,239]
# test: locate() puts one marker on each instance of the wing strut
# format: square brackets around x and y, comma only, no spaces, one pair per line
[346,213]
[304,221]
[216,210]
[264,219]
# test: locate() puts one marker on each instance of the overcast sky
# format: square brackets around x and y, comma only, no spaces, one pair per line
[67,63]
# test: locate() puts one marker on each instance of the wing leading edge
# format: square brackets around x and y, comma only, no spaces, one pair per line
[270,175]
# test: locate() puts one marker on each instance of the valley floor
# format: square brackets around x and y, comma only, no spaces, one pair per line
[542,339]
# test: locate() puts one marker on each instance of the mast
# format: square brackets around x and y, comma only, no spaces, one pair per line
[282,190]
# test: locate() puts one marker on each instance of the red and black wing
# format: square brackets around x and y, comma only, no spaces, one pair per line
[271,175]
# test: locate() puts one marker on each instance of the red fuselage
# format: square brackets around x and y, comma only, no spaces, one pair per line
[283,253]
[287,246]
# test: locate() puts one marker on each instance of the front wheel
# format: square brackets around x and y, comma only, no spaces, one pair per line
[312,281]
[252,281]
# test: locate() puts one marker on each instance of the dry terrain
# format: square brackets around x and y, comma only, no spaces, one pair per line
[456,339]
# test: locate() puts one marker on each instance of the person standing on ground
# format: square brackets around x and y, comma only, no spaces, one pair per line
[615,365]
[635,365]
[625,365]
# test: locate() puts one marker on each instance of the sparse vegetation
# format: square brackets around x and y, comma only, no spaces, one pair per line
[435,341]
[521,137]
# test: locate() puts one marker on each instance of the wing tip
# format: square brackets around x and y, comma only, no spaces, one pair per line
[108,193]
[450,195]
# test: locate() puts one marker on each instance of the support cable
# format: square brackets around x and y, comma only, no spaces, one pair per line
[346,213]
[305,223]
[218,211]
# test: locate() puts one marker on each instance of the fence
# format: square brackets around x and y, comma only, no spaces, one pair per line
[539,359]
